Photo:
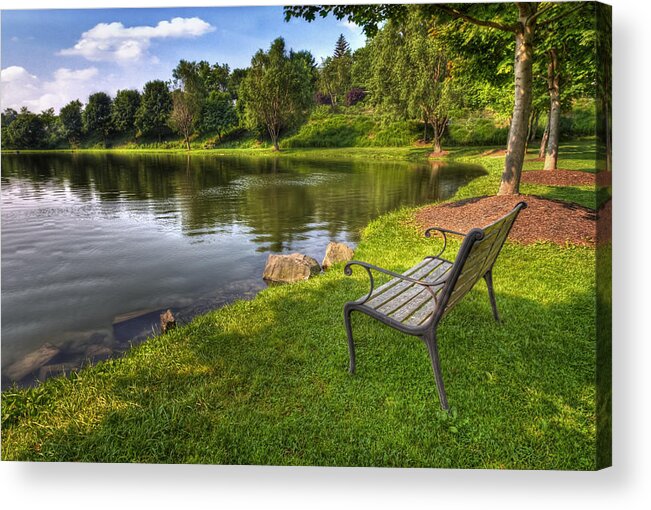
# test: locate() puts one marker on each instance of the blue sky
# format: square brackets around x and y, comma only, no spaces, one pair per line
[50,57]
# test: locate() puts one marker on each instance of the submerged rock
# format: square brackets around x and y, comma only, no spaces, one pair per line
[290,268]
[32,362]
[98,352]
[56,369]
[336,252]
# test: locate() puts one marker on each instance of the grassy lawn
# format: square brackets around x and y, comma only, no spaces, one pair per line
[265,381]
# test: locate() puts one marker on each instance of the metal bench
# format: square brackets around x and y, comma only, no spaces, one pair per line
[415,301]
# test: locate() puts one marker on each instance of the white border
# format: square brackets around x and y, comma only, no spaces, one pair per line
[53,486]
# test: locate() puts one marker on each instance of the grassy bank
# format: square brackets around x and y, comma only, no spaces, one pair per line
[265,381]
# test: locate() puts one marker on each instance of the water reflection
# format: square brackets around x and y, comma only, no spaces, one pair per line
[86,238]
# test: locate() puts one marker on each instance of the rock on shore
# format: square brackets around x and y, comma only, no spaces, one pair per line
[290,268]
[336,252]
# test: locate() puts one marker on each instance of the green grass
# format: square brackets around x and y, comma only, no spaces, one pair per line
[265,381]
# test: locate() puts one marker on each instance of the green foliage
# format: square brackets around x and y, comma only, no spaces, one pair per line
[125,107]
[155,107]
[71,120]
[361,69]
[8,116]
[335,73]
[580,120]
[218,115]
[477,129]
[183,117]
[278,90]
[97,115]
[412,76]
[27,131]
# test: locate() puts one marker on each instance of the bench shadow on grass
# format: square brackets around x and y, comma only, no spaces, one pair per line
[277,392]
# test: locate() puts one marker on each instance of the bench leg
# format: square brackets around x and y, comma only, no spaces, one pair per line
[430,340]
[491,294]
[349,331]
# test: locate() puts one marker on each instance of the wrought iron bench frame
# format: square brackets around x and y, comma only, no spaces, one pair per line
[441,288]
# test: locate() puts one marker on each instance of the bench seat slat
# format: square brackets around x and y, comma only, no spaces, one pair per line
[403,298]
[396,286]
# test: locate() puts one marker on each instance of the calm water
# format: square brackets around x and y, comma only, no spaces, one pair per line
[94,246]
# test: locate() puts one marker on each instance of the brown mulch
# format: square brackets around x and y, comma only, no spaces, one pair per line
[559,177]
[542,220]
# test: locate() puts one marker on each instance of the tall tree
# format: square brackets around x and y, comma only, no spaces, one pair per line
[154,110]
[278,89]
[342,48]
[568,44]
[335,73]
[8,116]
[123,115]
[411,74]
[97,115]
[52,128]
[519,19]
[183,116]
[218,114]
[71,120]
[26,131]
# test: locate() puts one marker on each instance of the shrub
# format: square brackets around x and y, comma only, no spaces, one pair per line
[322,99]
[354,96]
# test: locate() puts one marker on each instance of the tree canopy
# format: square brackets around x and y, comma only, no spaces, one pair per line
[278,89]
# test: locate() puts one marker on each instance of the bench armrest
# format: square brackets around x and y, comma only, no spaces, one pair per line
[443,232]
[348,271]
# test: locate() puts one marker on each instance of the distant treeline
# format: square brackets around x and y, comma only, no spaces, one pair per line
[452,83]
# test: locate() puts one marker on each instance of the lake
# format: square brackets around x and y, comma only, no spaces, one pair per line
[95,246]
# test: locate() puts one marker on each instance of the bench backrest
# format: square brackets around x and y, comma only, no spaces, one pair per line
[476,257]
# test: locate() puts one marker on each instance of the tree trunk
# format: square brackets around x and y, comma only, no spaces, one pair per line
[533,128]
[516,147]
[543,140]
[187,142]
[425,131]
[438,126]
[437,142]
[551,153]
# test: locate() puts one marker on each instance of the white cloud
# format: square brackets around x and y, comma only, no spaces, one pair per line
[114,42]
[349,25]
[21,88]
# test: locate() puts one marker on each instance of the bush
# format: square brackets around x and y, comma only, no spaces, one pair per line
[354,96]
[322,99]
[477,130]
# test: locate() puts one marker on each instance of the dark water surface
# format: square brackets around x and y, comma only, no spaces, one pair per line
[94,246]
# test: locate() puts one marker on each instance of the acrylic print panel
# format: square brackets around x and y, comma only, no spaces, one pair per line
[213,243]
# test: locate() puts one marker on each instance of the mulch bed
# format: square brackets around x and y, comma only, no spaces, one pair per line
[543,219]
[559,177]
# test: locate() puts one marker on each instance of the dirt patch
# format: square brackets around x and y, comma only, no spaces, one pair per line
[438,154]
[496,153]
[559,177]
[542,220]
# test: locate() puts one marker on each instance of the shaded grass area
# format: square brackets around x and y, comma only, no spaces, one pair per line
[265,381]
